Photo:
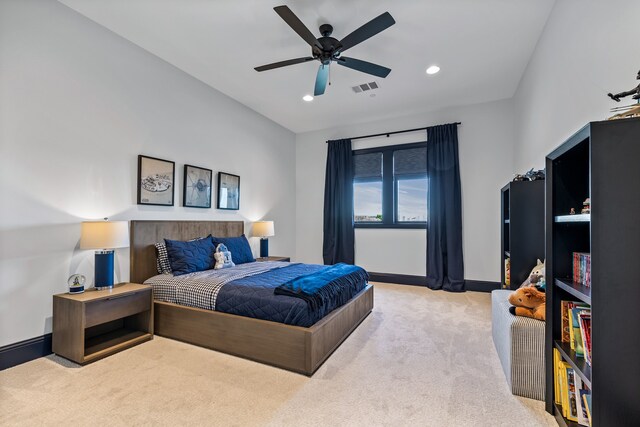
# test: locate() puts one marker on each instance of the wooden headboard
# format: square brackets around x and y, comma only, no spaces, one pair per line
[145,234]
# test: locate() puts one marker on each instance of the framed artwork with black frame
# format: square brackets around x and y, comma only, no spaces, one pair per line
[197,187]
[228,191]
[156,179]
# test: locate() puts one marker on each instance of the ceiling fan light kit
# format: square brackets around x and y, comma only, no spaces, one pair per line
[327,49]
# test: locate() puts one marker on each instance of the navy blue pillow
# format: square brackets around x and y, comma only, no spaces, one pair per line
[189,257]
[239,248]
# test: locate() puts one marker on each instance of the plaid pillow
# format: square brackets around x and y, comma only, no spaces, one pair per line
[162,262]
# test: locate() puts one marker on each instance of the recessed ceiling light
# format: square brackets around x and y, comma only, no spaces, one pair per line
[433,69]
[307,98]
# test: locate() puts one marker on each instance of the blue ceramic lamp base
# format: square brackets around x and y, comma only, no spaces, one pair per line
[104,269]
[264,247]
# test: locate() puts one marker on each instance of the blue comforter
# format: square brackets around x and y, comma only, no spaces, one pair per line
[249,290]
[254,296]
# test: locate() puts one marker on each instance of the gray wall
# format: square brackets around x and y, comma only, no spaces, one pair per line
[78,104]
[486,142]
[588,48]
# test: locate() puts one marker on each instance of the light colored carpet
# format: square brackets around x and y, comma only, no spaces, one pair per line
[421,358]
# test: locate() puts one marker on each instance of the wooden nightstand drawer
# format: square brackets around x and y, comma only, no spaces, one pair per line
[95,324]
[116,307]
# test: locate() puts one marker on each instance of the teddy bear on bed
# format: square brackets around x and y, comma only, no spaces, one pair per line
[530,299]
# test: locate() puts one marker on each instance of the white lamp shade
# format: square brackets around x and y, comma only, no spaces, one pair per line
[263,228]
[104,235]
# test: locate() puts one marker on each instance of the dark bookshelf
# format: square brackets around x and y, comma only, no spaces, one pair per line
[522,234]
[563,422]
[579,364]
[601,162]
[581,292]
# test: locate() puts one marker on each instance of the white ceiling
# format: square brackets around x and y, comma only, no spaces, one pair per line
[482,48]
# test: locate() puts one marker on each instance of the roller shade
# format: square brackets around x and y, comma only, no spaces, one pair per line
[368,165]
[410,161]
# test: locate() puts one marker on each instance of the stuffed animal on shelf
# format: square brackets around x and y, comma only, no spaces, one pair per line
[536,277]
[529,301]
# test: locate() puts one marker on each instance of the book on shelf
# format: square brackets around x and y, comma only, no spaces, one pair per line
[584,417]
[564,314]
[581,410]
[507,272]
[572,407]
[570,391]
[586,398]
[564,392]
[582,268]
[573,332]
[557,390]
[584,318]
[578,341]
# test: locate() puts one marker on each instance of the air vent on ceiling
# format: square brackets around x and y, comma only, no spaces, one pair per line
[365,87]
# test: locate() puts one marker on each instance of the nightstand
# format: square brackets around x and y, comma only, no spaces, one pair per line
[96,324]
[274,258]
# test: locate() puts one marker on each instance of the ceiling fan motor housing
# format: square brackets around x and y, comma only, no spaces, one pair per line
[329,45]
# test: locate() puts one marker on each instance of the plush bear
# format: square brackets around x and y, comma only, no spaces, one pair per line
[528,301]
[223,257]
[537,276]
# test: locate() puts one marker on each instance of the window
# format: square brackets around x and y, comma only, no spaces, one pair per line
[390,187]
[412,200]
[367,201]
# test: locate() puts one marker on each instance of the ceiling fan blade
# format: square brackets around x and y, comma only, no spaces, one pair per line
[364,66]
[283,63]
[366,31]
[296,24]
[321,80]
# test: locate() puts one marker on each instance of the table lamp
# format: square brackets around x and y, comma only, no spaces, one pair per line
[263,229]
[104,236]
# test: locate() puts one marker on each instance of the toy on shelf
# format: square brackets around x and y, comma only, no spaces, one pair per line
[507,272]
[537,276]
[531,175]
[535,175]
[529,301]
[586,206]
[627,111]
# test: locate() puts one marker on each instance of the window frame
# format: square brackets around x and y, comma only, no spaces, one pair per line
[389,188]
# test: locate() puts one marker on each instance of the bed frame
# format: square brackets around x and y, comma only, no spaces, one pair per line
[294,348]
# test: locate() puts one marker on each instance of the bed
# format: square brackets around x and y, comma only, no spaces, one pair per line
[297,348]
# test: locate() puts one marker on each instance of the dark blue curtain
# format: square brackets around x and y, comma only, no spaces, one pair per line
[339,237]
[445,266]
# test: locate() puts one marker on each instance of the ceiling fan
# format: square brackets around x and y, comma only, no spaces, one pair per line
[327,49]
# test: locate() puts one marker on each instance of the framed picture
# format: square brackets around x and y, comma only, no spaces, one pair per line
[228,191]
[197,187]
[156,178]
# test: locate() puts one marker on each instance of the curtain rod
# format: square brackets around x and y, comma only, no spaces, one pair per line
[393,133]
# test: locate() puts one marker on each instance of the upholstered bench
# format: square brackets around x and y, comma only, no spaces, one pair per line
[519,342]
